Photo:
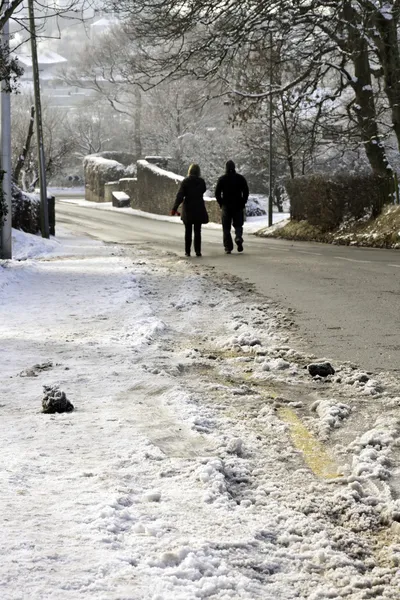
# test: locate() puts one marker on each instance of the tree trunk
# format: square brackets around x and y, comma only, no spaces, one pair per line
[366,112]
[365,101]
[26,148]
[138,123]
[389,57]
[288,144]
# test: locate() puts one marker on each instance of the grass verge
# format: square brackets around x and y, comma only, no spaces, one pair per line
[382,232]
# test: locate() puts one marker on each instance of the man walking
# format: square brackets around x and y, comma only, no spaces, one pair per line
[232,193]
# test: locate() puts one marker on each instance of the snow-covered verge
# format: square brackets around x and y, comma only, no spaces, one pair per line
[382,232]
[202,460]
[26,246]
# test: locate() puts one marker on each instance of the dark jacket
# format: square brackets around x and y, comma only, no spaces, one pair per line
[190,195]
[232,191]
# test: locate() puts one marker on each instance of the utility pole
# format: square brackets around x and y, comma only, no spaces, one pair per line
[44,211]
[6,228]
[271,163]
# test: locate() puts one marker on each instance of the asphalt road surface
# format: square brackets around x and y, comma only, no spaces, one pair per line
[346,300]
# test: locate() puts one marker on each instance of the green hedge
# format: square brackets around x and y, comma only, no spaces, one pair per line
[326,201]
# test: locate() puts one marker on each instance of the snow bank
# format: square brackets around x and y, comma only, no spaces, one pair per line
[27,246]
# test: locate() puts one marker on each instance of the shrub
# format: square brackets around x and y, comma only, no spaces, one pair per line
[25,211]
[326,201]
[254,207]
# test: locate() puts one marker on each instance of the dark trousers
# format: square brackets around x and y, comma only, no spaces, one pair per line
[197,237]
[229,218]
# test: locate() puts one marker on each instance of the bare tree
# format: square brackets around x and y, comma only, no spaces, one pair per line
[178,119]
[59,144]
[323,37]
[25,152]
[100,66]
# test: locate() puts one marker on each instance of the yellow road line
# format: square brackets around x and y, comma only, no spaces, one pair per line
[315,455]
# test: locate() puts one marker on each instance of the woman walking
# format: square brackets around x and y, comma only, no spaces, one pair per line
[194,212]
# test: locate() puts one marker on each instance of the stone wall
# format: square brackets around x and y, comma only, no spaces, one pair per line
[129,186]
[213,209]
[109,188]
[103,168]
[160,161]
[153,190]
[157,189]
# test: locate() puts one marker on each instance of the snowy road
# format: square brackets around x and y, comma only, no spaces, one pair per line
[202,461]
[346,300]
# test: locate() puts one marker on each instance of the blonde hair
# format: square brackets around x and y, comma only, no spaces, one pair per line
[194,170]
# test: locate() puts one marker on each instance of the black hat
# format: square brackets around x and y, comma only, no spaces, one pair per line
[230,166]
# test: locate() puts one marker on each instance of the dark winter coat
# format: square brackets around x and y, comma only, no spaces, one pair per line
[190,195]
[232,191]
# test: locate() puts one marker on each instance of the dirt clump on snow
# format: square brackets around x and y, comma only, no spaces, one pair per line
[36,369]
[323,369]
[55,401]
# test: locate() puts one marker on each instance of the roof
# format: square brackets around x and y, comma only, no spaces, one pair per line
[105,22]
[45,57]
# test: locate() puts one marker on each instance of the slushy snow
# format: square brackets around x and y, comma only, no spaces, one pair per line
[178,475]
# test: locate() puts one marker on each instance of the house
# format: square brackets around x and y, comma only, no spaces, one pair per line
[55,91]
[49,64]
[102,26]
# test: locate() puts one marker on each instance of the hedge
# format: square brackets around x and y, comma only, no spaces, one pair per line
[327,201]
[25,211]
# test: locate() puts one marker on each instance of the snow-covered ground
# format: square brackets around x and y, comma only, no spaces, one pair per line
[251,225]
[66,191]
[202,460]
